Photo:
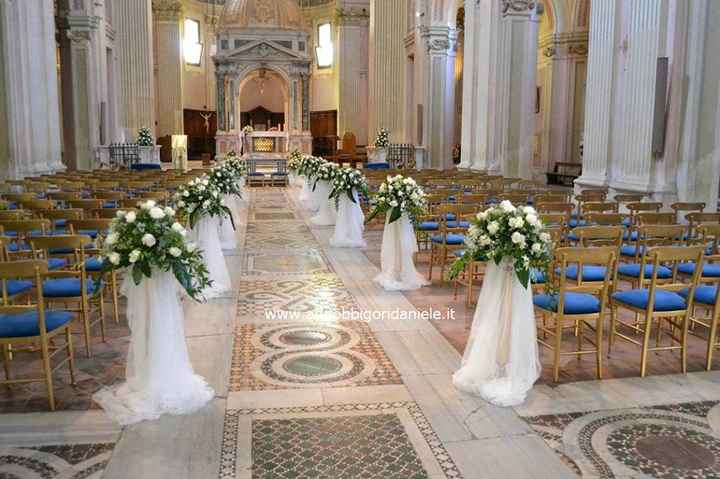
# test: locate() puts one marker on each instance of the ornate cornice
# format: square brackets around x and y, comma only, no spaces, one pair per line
[353,16]
[572,44]
[439,40]
[211,22]
[517,7]
[167,10]
[78,38]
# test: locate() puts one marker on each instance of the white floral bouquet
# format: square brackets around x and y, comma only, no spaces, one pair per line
[399,195]
[150,238]
[309,166]
[145,137]
[382,140]
[199,199]
[248,129]
[237,166]
[346,180]
[507,232]
[224,179]
[325,171]
[294,160]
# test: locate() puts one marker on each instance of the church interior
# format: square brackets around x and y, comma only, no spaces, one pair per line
[329,335]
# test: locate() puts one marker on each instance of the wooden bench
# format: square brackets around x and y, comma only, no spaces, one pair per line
[564,173]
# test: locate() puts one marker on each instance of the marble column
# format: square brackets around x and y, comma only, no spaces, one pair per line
[220,90]
[482,32]
[440,43]
[352,67]
[29,100]
[232,103]
[518,44]
[168,16]
[133,23]
[305,80]
[603,32]
[387,62]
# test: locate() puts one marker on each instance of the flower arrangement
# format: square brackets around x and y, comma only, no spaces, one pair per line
[325,171]
[309,165]
[399,195]
[145,137]
[248,129]
[346,180]
[382,140]
[199,199]
[224,179]
[294,160]
[507,232]
[151,239]
[231,154]
[235,165]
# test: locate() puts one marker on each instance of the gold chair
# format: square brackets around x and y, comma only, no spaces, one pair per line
[659,301]
[35,326]
[449,238]
[578,304]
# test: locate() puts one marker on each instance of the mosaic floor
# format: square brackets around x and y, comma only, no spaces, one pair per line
[72,461]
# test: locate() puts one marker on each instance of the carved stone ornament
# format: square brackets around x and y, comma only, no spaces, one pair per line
[578,49]
[518,6]
[78,38]
[167,10]
[550,52]
[354,16]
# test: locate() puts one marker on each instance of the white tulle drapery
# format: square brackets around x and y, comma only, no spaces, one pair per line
[350,223]
[501,361]
[295,180]
[242,200]
[326,214]
[228,238]
[312,198]
[399,246]
[205,234]
[159,377]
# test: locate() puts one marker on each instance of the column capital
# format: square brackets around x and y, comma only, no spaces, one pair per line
[518,7]
[352,16]
[167,10]
[439,40]
[564,45]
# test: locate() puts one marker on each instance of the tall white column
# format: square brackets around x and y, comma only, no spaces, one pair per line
[603,39]
[352,67]
[387,68]
[29,100]
[133,23]
[168,15]
[440,43]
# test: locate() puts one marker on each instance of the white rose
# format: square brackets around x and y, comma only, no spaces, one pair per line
[517,238]
[186,193]
[148,240]
[531,219]
[130,217]
[516,222]
[536,247]
[482,215]
[169,211]
[545,237]
[157,213]
[174,251]
[112,238]
[181,204]
[114,258]
[134,256]
[206,203]
[120,214]
[191,247]
[148,204]
[493,227]
[507,206]
[177,227]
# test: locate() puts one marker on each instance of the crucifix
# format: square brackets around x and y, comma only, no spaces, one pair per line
[206,117]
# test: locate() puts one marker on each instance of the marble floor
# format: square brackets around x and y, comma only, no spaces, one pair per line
[305,391]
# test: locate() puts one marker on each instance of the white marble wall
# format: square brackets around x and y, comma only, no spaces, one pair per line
[29,106]
[168,18]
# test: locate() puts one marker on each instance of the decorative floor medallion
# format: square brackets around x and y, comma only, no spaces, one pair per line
[309,261]
[672,441]
[305,355]
[368,441]
[74,461]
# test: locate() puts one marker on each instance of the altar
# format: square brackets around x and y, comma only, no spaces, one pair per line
[266,142]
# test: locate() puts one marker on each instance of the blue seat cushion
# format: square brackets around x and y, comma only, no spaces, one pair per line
[573,237]
[632,236]
[14,247]
[66,287]
[703,294]
[537,276]
[61,223]
[27,324]
[17,286]
[627,221]
[452,239]
[377,166]
[589,272]
[629,250]
[429,226]
[633,270]
[458,224]
[56,263]
[110,204]
[664,300]
[256,173]
[90,233]
[709,270]
[68,250]
[450,217]
[93,264]
[575,303]
[573,223]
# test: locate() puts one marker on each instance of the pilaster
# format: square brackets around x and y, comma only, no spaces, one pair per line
[168,22]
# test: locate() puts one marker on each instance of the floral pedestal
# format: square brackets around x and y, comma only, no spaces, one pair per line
[399,246]
[350,224]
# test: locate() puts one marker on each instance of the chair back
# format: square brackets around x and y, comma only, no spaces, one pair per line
[595,236]
[656,219]
[33,270]
[672,257]
[628,198]
[598,207]
[87,204]
[695,219]
[605,219]
[43,247]
[578,257]
[474,199]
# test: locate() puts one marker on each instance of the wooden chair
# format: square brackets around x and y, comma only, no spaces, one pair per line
[450,237]
[695,219]
[681,209]
[660,301]
[34,325]
[580,303]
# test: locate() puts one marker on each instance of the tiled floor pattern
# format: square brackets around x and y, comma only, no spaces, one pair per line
[674,441]
[286,272]
[70,461]
[368,441]
[306,355]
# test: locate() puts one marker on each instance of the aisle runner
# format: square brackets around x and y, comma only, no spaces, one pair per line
[289,336]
